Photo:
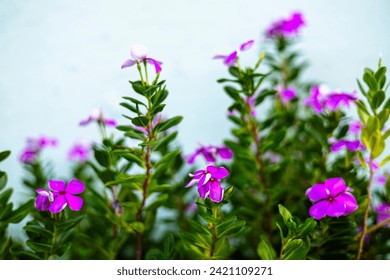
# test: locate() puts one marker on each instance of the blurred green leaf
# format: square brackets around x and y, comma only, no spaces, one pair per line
[265,249]
[4,155]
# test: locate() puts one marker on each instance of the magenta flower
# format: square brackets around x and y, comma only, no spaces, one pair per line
[289,27]
[139,53]
[230,59]
[354,127]
[97,116]
[336,99]
[59,196]
[314,100]
[210,153]
[331,198]
[209,182]
[320,99]
[250,101]
[381,180]
[34,147]
[286,95]
[351,145]
[382,213]
[80,151]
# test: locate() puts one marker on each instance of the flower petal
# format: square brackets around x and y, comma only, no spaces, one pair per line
[205,178]
[336,209]
[128,63]
[156,64]
[247,45]
[319,209]
[335,186]
[75,202]
[204,190]
[110,122]
[216,192]
[75,186]
[349,201]
[58,204]
[42,203]
[317,192]
[231,59]
[192,182]
[217,172]
[57,185]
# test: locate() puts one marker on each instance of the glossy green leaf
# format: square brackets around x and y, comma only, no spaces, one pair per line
[4,155]
[265,249]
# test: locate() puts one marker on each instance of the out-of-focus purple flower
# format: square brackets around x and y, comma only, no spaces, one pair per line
[320,98]
[209,182]
[34,147]
[314,100]
[331,198]
[60,195]
[251,104]
[354,127]
[381,180]
[272,157]
[80,151]
[351,145]
[97,116]
[287,94]
[382,213]
[289,27]
[230,59]
[139,53]
[336,99]
[210,153]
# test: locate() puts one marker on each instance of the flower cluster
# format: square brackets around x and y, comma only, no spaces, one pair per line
[331,198]
[59,196]
[230,59]
[210,153]
[320,98]
[289,27]
[209,182]
[34,146]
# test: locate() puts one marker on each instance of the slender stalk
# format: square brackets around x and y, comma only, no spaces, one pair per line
[145,185]
[374,228]
[215,239]
[364,230]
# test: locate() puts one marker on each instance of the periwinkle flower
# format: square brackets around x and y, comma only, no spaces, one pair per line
[381,180]
[209,182]
[287,94]
[351,145]
[230,59]
[34,147]
[354,127]
[139,53]
[331,198]
[382,213]
[289,27]
[80,151]
[60,195]
[97,116]
[210,153]
[315,99]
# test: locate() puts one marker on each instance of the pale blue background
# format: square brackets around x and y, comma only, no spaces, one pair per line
[60,59]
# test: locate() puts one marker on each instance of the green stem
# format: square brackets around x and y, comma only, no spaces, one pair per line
[365,221]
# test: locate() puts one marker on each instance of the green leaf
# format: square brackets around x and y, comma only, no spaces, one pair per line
[129,107]
[361,88]
[154,254]
[164,141]
[197,227]
[19,214]
[3,180]
[384,161]
[4,196]
[137,87]
[4,155]
[378,99]
[370,80]
[137,226]
[135,101]
[68,224]
[232,229]
[38,247]
[234,71]
[138,135]
[362,111]
[167,159]
[140,121]
[102,157]
[162,126]
[295,249]
[307,227]
[265,249]
[383,117]
[44,233]
[232,92]
[225,224]
[377,144]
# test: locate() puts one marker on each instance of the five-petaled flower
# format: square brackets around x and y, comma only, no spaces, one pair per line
[59,196]
[209,182]
[286,27]
[139,53]
[331,198]
[97,116]
[230,59]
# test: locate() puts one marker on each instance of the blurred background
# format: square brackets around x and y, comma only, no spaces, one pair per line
[61,59]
